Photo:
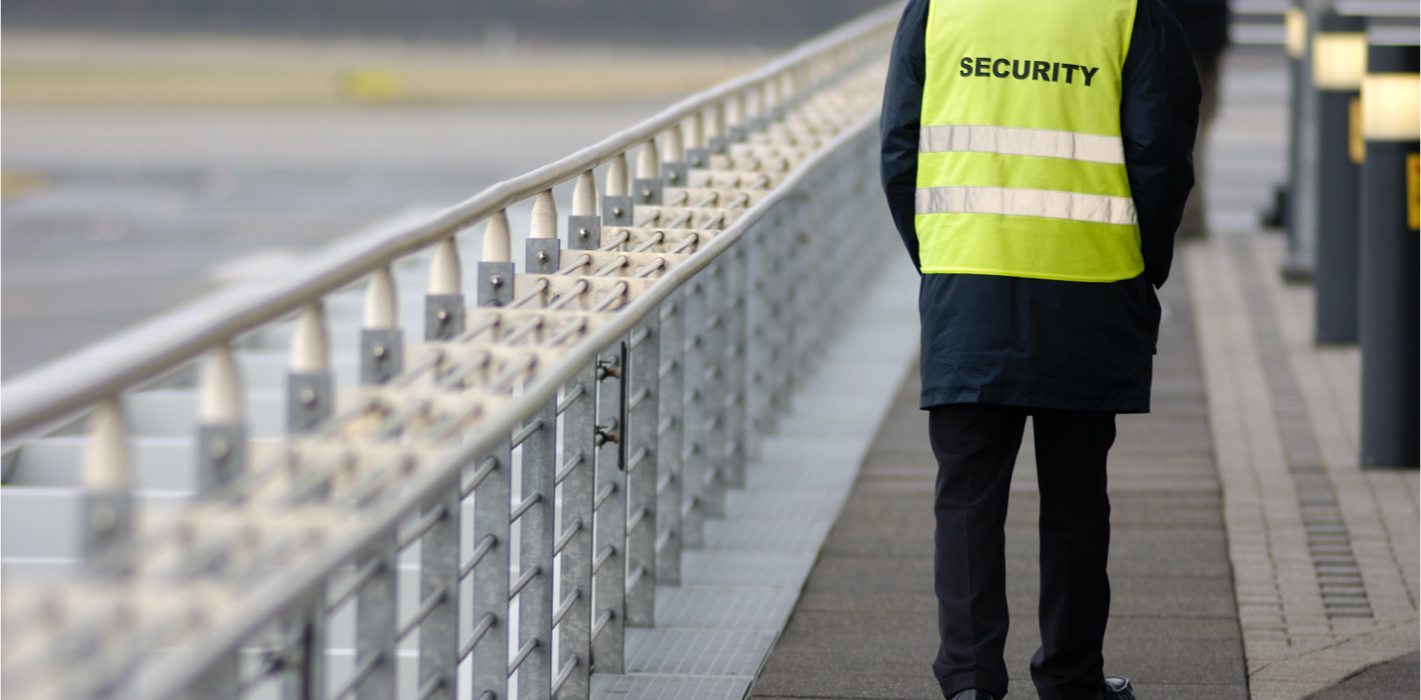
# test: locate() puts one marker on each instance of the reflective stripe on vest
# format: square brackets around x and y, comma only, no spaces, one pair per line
[1007,201]
[1021,168]
[1021,142]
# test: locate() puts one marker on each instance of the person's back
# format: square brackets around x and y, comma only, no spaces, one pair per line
[1036,158]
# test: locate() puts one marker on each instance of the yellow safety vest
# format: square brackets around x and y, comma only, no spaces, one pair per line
[1021,168]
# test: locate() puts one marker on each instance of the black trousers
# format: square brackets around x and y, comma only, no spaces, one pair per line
[976,447]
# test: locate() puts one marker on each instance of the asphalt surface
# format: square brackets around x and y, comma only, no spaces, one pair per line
[139,210]
[865,626]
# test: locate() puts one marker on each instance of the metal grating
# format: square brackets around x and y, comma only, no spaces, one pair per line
[607,687]
[723,653]
[764,609]
[757,569]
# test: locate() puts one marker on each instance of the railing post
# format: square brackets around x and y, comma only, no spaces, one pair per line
[738,126]
[617,203]
[376,621]
[646,189]
[309,391]
[697,153]
[303,676]
[694,464]
[496,265]
[535,552]
[491,511]
[444,304]
[736,281]
[221,457]
[382,345]
[643,464]
[221,429]
[584,226]
[713,442]
[673,159]
[669,432]
[610,518]
[439,576]
[544,253]
[107,509]
[575,527]
[717,139]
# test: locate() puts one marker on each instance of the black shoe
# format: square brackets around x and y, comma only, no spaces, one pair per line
[1117,688]
[973,694]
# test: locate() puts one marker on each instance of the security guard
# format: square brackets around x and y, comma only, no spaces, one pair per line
[1036,158]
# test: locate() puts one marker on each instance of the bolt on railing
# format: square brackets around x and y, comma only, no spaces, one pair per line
[615,389]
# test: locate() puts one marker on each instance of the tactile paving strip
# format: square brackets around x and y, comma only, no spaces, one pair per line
[1329,545]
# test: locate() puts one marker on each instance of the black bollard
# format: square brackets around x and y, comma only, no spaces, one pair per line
[1391,274]
[1339,55]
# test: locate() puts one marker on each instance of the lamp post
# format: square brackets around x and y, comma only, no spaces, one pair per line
[1390,270]
[1339,59]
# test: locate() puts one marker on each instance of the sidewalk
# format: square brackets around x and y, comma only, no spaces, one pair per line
[866,626]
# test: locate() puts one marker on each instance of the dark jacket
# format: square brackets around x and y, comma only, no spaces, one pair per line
[1046,343]
[1206,25]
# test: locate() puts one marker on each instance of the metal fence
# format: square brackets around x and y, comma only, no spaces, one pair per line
[491,508]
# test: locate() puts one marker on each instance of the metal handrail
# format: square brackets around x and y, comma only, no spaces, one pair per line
[610,360]
[279,593]
[92,374]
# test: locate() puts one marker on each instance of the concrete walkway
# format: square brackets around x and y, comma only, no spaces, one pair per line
[866,624]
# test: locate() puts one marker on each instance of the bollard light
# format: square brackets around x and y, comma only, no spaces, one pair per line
[1390,272]
[1339,58]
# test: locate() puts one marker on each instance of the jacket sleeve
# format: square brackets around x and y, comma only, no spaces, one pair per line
[902,109]
[1159,118]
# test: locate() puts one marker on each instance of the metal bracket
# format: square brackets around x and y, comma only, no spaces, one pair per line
[443,315]
[544,256]
[673,174]
[610,432]
[108,520]
[382,354]
[759,124]
[308,400]
[698,158]
[584,233]
[495,286]
[718,145]
[617,211]
[738,134]
[647,191]
[221,455]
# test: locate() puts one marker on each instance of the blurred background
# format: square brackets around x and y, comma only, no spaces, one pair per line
[154,150]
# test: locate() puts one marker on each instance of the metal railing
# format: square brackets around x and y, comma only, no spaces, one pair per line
[498,502]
